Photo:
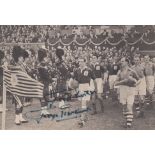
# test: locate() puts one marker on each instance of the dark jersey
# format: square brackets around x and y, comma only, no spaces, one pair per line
[113,69]
[84,76]
[63,70]
[98,70]
[43,73]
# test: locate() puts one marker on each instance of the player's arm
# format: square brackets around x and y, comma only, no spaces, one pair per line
[118,81]
[134,77]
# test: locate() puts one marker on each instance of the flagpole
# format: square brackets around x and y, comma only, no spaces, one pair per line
[4,104]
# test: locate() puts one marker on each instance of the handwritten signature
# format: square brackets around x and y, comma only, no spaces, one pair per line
[63,115]
[77,95]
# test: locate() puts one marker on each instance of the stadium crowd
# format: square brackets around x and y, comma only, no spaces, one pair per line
[38,34]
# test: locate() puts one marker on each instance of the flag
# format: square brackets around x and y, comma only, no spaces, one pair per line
[20,83]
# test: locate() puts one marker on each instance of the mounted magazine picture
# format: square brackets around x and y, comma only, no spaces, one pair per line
[77,77]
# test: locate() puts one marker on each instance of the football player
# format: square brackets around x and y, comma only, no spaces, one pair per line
[127,79]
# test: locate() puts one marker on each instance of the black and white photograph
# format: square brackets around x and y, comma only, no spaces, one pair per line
[77,77]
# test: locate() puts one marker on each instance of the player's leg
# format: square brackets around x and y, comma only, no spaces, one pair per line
[142,94]
[123,102]
[18,112]
[94,97]
[111,91]
[142,105]
[130,102]
[84,117]
[84,101]
[150,87]
[44,101]
[137,105]
[114,90]
[100,99]
[99,93]
[93,101]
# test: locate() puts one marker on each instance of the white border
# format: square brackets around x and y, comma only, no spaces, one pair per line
[101,12]
[77,142]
